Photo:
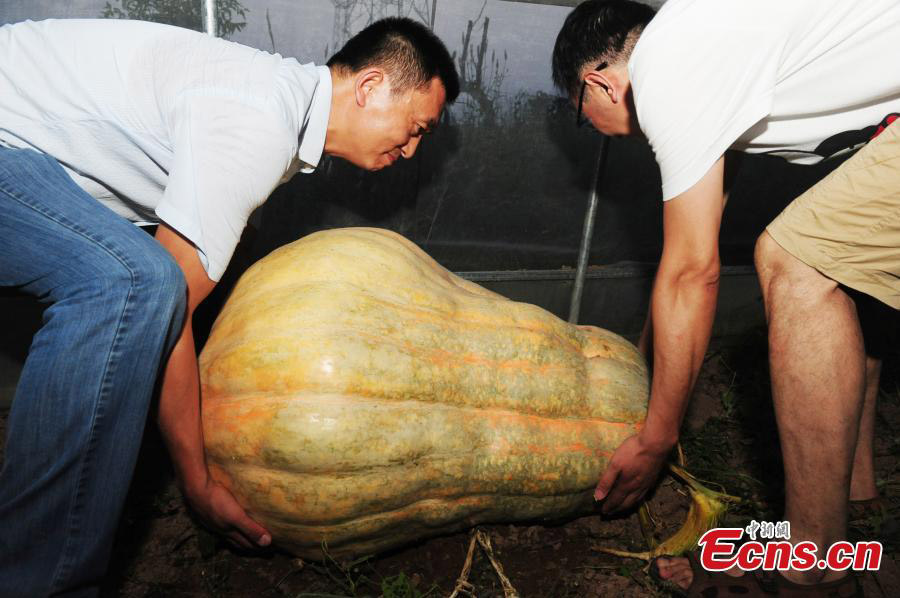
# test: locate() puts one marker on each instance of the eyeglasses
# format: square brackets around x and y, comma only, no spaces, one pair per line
[579,122]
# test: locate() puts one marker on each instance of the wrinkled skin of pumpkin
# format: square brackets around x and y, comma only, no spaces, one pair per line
[357,394]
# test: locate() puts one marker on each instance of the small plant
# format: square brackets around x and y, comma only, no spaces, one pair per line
[729,400]
[401,586]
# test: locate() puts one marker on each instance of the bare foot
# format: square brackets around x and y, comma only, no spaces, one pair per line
[678,571]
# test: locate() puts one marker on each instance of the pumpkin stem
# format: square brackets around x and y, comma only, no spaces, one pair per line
[707,508]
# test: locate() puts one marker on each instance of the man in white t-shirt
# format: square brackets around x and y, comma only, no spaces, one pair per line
[107,124]
[806,80]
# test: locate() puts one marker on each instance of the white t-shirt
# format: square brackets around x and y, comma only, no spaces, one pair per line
[163,123]
[788,77]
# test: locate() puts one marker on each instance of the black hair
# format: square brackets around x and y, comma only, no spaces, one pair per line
[410,52]
[596,31]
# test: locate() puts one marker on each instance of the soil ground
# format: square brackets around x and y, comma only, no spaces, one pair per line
[729,440]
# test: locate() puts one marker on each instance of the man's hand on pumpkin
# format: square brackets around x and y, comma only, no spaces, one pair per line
[219,511]
[632,471]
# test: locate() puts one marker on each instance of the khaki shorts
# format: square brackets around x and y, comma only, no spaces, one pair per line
[847,226]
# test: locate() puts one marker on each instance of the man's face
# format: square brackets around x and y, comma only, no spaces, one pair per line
[391,125]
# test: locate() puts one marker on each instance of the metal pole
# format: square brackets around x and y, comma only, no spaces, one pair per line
[587,235]
[209,17]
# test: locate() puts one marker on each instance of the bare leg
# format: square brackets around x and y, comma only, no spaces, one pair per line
[817,362]
[862,482]
[818,369]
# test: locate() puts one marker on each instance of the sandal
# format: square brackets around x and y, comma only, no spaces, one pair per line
[764,584]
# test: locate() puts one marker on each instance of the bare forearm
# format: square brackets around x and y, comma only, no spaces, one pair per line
[683,308]
[179,403]
[179,413]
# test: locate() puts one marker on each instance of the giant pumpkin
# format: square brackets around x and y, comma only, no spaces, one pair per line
[358,395]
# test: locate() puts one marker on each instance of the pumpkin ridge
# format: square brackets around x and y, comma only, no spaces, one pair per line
[332,330]
[289,397]
[311,451]
[448,459]
[506,403]
[419,503]
[374,533]
[436,354]
[360,495]
[410,464]
[536,326]
[578,409]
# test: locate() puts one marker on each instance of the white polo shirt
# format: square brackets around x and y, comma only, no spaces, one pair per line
[162,123]
[802,79]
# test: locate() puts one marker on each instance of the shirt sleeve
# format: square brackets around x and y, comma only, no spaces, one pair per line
[696,93]
[229,155]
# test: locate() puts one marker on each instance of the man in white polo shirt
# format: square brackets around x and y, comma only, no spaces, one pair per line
[104,124]
[804,79]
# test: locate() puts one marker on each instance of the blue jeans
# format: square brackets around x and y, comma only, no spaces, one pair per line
[116,302]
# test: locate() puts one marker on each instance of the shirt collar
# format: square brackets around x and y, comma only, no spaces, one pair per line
[315,125]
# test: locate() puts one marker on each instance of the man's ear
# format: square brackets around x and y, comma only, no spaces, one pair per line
[366,82]
[604,82]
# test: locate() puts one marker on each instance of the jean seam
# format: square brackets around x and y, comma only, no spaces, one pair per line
[63,569]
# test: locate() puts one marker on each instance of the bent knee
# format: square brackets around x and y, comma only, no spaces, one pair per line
[780,273]
[159,277]
[767,253]
[774,262]
[151,279]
